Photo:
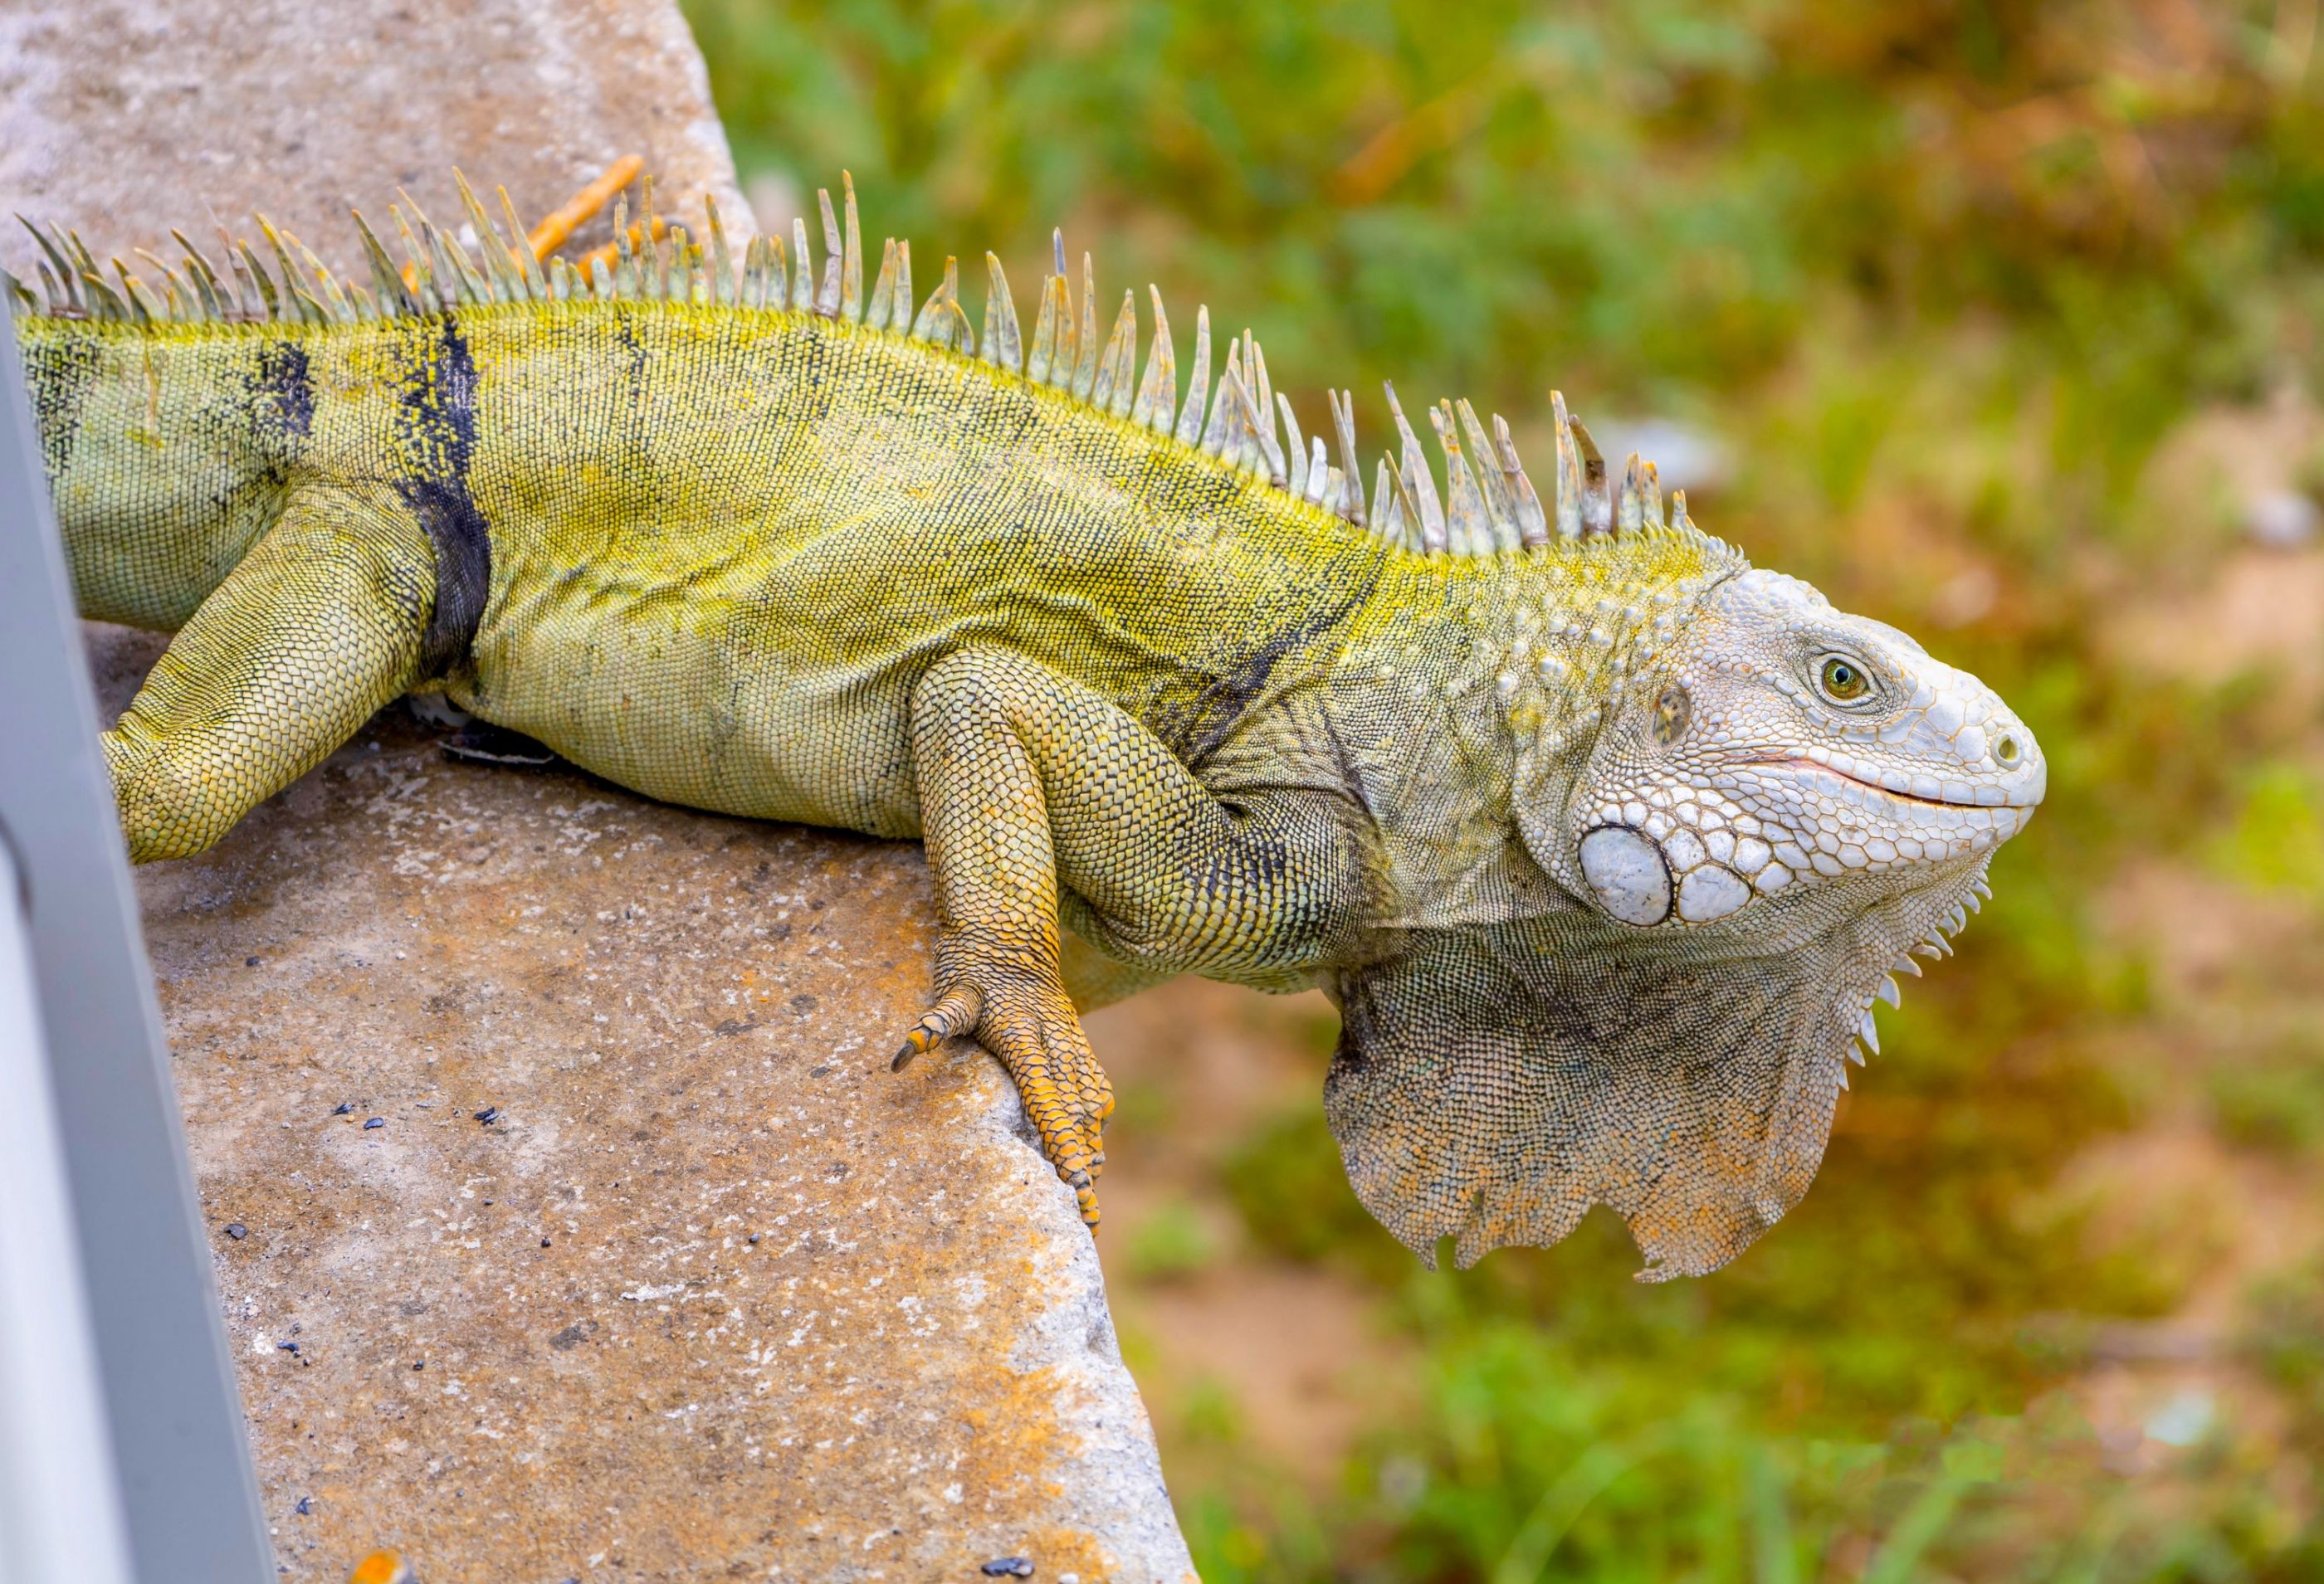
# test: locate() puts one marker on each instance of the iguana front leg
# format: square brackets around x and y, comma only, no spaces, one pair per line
[1026,779]
[317,628]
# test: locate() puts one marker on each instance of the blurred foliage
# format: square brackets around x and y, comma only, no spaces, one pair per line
[1944,284]
[1171,1241]
[2277,840]
[2272,1095]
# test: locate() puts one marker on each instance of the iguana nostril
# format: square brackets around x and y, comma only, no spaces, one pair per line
[2006,750]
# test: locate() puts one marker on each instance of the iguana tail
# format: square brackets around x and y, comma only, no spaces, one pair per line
[172,455]
[169,451]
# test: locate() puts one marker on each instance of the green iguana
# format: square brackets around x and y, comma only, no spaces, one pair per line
[1603,842]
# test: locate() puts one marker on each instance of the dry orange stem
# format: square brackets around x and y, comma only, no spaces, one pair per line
[613,250]
[558,227]
[555,229]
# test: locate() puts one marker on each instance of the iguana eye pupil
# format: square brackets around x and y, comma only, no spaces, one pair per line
[1843,681]
[1672,711]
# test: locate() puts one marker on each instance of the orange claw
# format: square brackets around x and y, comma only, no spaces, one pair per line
[1065,1096]
[957,1013]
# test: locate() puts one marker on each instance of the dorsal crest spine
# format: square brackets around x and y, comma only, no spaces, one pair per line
[1488,504]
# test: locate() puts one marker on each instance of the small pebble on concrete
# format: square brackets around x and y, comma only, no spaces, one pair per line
[369,1123]
[344,1109]
[236,1231]
[1009,1568]
[489,1114]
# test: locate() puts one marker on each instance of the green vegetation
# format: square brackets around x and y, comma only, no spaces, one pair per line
[2270,1095]
[2000,316]
[1171,1241]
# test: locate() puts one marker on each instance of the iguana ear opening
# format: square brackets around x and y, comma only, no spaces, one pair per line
[1492,1084]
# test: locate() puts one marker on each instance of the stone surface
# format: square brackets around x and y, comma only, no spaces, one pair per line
[712,1293]
[127,117]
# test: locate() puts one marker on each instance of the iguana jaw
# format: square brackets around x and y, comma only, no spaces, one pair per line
[1812,769]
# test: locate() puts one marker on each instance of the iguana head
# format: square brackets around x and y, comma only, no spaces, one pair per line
[1782,756]
[1773,805]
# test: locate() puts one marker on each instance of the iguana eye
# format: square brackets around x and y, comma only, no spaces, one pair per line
[1843,681]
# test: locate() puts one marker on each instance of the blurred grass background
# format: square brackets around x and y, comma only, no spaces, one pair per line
[1999,321]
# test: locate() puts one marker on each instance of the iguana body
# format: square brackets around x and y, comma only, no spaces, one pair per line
[1534,791]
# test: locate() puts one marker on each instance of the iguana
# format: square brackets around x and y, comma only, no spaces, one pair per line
[1603,841]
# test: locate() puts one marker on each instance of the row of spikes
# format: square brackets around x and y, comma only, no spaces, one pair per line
[440,273]
[1492,505]
[1939,944]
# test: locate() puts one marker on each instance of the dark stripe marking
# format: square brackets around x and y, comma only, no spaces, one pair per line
[58,371]
[284,390]
[1219,708]
[437,427]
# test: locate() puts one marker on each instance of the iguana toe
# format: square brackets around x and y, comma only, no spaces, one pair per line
[955,1014]
[1034,1032]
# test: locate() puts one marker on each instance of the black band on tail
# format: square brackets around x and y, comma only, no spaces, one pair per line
[438,430]
[464,577]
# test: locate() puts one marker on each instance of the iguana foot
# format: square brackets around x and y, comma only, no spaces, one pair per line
[1032,1028]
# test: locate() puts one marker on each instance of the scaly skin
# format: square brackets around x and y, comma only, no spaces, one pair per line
[1566,826]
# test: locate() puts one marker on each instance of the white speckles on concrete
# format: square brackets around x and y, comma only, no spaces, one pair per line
[662,1284]
[125,117]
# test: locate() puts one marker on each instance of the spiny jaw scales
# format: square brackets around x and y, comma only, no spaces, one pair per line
[1786,746]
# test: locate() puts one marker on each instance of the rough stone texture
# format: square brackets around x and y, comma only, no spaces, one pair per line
[127,117]
[680,1025]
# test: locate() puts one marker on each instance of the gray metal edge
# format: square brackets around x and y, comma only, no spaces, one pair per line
[187,1479]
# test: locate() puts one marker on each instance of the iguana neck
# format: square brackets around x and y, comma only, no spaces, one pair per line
[1471,688]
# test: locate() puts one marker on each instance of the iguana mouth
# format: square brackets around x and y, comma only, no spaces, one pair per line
[1823,768]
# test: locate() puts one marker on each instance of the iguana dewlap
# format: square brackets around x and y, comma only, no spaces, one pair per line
[1603,841]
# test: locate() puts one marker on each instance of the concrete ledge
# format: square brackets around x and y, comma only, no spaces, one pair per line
[710,1292]
[127,117]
